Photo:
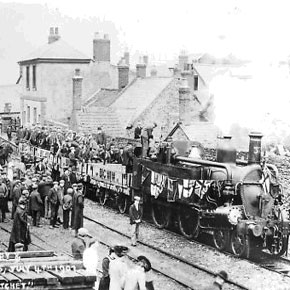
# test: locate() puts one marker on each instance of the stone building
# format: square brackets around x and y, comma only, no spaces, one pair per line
[46,77]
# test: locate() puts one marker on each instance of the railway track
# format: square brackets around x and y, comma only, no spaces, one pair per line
[280,265]
[187,280]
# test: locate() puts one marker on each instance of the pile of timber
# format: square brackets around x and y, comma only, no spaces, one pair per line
[43,270]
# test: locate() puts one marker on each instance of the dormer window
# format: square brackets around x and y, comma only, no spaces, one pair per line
[27,78]
[34,77]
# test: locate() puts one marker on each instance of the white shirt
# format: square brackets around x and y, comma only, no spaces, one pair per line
[117,270]
[90,259]
[135,279]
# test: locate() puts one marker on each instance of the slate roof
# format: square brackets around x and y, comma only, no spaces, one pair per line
[100,116]
[56,50]
[102,98]
[204,132]
[137,97]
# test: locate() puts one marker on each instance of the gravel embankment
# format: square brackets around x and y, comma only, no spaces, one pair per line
[241,271]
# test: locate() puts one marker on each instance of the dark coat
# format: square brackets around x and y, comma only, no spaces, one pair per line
[35,201]
[20,231]
[78,211]
[53,196]
[135,214]
[44,187]
[137,132]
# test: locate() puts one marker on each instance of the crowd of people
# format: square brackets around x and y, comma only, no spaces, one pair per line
[38,190]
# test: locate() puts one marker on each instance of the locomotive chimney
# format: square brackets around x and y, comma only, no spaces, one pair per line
[255,148]
[226,152]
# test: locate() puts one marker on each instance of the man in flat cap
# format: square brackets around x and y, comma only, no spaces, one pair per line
[78,208]
[20,229]
[54,204]
[35,205]
[118,269]
[135,214]
[3,199]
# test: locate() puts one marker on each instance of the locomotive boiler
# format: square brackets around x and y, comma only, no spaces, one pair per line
[238,202]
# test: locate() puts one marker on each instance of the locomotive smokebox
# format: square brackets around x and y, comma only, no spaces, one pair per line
[226,152]
[255,148]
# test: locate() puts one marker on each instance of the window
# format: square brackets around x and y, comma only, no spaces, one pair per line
[34,115]
[28,114]
[34,77]
[195,85]
[27,78]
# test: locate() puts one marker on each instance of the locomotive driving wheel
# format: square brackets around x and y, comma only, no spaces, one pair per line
[103,197]
[221,239]
[240,244]
[188,222]
[277,246]
[122,202]
[161,215]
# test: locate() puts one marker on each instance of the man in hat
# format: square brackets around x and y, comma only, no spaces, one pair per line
[54,202]
[135,214]
[20,229]
[101,136]
[147,133]
[79,243]
[35,205]
[118,269]
[136,277]
[105,279]
[74,194]
[40,167]
[16,193]
[220,279]
[137,131]
[3,199]
[78,208]
[67,206]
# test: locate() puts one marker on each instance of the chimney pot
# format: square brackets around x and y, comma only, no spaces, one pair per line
[123,74]
[53,35]
[106,36]
[51,31]
[141,70]
[97,35]
[56,31]
[145,59]
[77,72]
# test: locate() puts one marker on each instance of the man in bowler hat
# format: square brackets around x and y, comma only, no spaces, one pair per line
[135,213]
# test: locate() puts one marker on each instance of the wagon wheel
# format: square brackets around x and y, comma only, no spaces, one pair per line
[240,244]
[122,202]
[161,215]
[188,222]
[103,197]
[221,239]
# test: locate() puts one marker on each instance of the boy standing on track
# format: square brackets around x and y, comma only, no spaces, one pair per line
[135,213]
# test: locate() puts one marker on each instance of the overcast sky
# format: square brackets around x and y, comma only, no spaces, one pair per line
[255,30]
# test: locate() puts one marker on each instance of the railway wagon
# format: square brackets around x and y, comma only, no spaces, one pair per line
[240,203]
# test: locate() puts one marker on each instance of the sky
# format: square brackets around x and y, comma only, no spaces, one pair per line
[255,30]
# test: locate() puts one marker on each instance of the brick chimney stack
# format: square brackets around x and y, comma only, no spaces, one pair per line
[145,59]
[141,69]
[53,35]
[186,74]
[123,74]
[184,102]
[102,48]
[183,60]
[77,90]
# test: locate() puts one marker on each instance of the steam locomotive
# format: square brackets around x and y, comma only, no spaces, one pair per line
[240,203]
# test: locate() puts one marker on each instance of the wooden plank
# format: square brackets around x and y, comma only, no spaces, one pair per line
[2,279]
[11,278]
[69,277]
[36,278]
[34,254]
[25,277]
[50,279]
[88,276]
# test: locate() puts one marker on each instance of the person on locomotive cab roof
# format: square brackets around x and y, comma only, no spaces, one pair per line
[135,214]
[146,134]
[220,279]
